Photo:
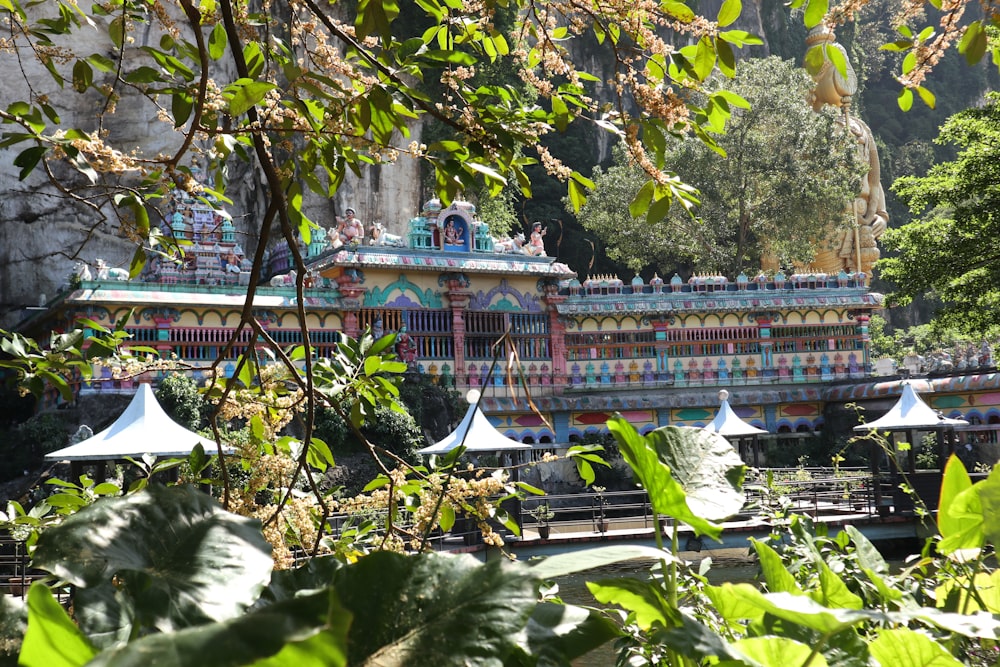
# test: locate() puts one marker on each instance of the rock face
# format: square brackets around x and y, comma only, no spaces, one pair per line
[44,233]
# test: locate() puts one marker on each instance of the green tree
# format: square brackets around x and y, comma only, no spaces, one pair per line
[952,250]
[787,179]
[178,395]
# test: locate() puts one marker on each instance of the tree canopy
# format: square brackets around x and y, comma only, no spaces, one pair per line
[952,250]
[786,180]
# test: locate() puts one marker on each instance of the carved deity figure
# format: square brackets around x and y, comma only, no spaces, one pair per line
[350,230]
[854,249]
[406,348]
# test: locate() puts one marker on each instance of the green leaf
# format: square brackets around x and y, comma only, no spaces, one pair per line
[561,633]
[902,647]
[905,99]
[577,194]
[116,31]
[138,259]
[52,639]
[973,43]
[704,59]
[729,12]
[727,58]
[374,17]
[309,630]
[708,468]
[868,556]
[83,76]
[643,599]
[814,59]
[989,500]
[678,10]
[954,481]
[642,200]
[172,555]
[181,105]
[833,592]
[837,57]
[245,93]
[28,159]
[559,565]
[927,96]
[777,577]
[217,41]
[425,598]
[319,456]
[780,651]
[815,11]
[740,38]
[666,495]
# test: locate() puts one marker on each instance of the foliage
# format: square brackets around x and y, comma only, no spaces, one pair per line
[26,444]
[951,250]
[785,181]
[179,397]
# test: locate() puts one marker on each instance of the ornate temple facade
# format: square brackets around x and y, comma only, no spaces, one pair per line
[656,351]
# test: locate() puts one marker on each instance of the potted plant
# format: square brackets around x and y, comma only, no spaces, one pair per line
[601,502]
[543,514]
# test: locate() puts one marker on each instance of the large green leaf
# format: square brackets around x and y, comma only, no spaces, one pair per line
[902,647]
[776,575]
[989,501]
[570,562]
[13,622]
[666,494]
[52,639]
[434,609]
[316,573]
[642,599]
[559,633]
[706,465]
[955,480]
[307,631]
[172,556]
[780,651]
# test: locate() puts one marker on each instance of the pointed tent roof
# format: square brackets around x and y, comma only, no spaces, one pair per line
[910,412]
[144,428]
[728,424]
[478,434]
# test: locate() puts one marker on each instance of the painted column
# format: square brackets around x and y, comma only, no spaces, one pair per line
[766,345]
[660,345]
[557,337]
[163,345]
[560,425]
[352,296]
[866,342]
[458,299]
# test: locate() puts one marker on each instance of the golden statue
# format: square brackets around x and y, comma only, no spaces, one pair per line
[854,249]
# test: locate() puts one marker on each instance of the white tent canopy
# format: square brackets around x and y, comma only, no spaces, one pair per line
[728,424]
[910,413]
[144,428]
[476,432]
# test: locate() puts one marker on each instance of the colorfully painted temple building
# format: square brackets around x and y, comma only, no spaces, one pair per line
[657,351]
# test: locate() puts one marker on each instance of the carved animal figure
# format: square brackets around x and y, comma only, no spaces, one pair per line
[105,272]
[81,271]
[380,237]
[504,245]
[515,244]
[284,280]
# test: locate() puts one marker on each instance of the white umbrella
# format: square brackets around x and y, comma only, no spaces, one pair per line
[728,424]
[476,432]
[144,428]
[910,413]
